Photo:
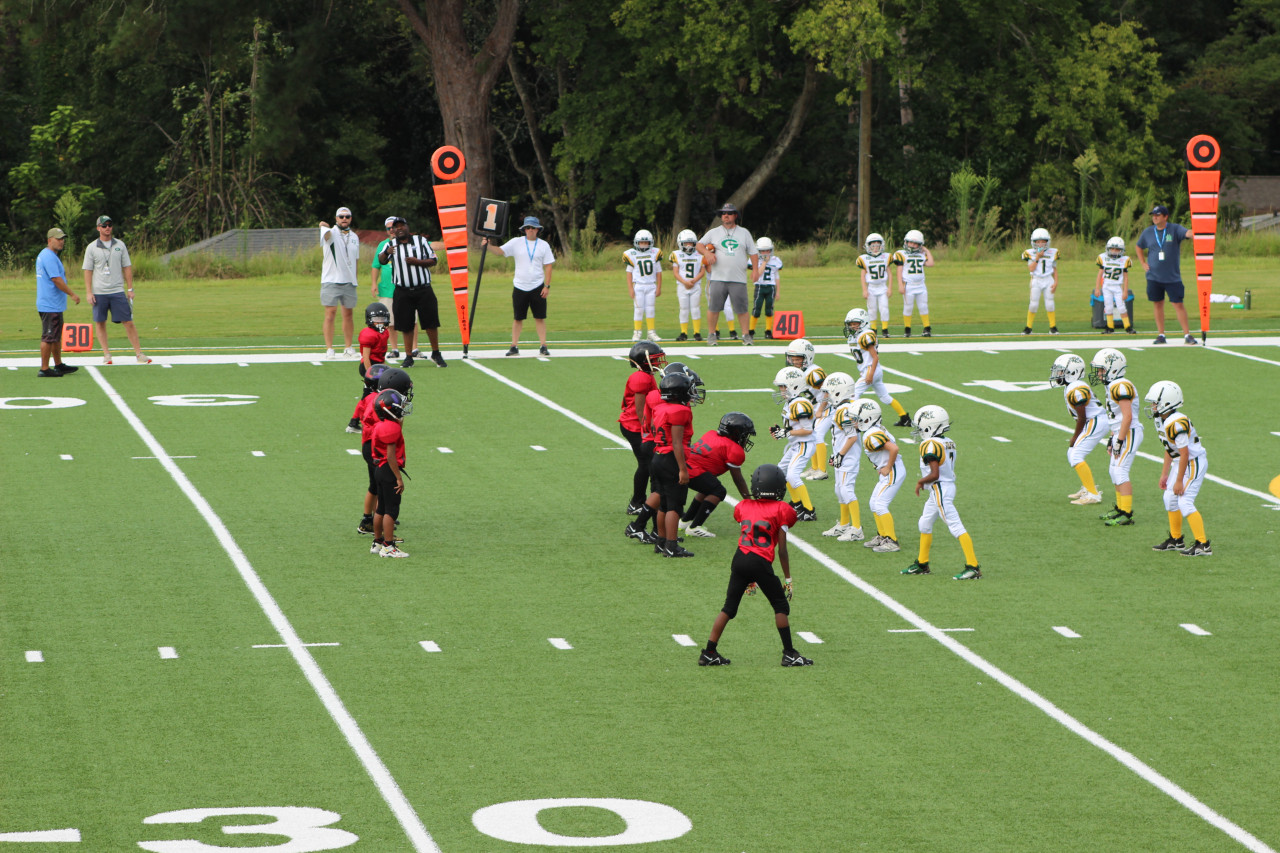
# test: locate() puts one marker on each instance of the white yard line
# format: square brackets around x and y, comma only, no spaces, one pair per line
[1144,771]
[382,779]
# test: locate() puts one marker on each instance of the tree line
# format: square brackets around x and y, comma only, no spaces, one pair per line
[968,119]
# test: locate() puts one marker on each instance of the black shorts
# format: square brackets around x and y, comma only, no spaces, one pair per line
[666,482]
[747,569]
[388,500]
[413,306]
[707,483]
[50,327]
[1158,290]
[524,301]
[366,450]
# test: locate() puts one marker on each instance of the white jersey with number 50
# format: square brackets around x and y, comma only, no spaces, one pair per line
[875,269]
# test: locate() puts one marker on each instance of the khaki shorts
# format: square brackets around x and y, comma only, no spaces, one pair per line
[734,292]
[333,293]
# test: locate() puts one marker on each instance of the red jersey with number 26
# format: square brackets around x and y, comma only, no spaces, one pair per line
[762,522]
[714,454]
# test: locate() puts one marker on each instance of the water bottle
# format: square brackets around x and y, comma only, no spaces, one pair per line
[1248,299]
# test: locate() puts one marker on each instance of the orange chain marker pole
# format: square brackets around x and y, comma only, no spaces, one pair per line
[1202,185]
[447,164]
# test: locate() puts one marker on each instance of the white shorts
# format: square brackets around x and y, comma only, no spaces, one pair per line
[1122,455]
[886,487]
[1040,287]
[1093,432]
[940,503]
[877,384]
[915,299]
[795,459]
[690,300]
[1186,503]
[645,301]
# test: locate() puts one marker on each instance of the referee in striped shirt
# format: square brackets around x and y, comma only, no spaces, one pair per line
[411,259]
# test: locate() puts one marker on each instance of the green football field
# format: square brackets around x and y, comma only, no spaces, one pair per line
[198,653]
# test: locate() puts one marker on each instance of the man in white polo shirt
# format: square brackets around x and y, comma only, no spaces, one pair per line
[532,281]
[108,287]
[341,247]
[727,251]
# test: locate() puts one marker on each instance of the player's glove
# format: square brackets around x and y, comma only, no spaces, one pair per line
[836,459]
[751,589]
[1116,448]
[778,432]
[786,587]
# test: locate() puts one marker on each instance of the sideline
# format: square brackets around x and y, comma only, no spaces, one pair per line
[386,784]
[1143,770]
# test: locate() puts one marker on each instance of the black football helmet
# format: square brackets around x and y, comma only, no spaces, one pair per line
[737,427]
[676,387]
[768,483]
[389,405]
[372,375]
[398,380]
[698,393]
[376,316]
[647,356]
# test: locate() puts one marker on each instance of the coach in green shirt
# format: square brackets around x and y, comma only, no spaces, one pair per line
[383,289]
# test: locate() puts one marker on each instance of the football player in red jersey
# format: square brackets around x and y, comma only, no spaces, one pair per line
[648,359]
[672,435]
[721,449]
[366,418]
[388,455]
[373,350]
[765,519]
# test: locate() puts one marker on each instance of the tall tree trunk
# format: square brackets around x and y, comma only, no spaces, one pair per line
[684,204]
[555,196]
[904,94]
[786,137]
[864,155]
[465,81]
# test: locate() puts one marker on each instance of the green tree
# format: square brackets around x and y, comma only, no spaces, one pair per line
[56,158]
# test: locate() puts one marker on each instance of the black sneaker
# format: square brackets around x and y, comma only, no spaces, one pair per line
[49,373]
[675,549]
[928,332]
[803,514]
[543,351]
[682,337]
[733,335]
[633,508]
[1169,544]
[1131,331]
[1159,340]
[408,361]
[1189,340]
[64,369]
[1053,330]
[438,359]
[1198,549]
[353,426]
[791,657]
[768,335]
[904,421]
[885,333]
[513,351]
[712,659]
[1026,330]
[366,527]
[1109,330]
[697,336]
[906,333]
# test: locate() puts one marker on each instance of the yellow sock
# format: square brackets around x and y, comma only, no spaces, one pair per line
[897,408]
[1125,503]
[802,495]
[1111,323]
[884,324]
[1031,318]
[1086,478]
[906,322]
[639,325]
[1175,524]
[886,525]
[751,324]
[684,328]
[730,322]
[1053,318]
[855,513]
[926,540]
[1197,526]
[697,325]
[924,320]
[768,323]
[820,457]
[966,545]
[1127,324]
[649,321]
[844,515]
[879,525]
[791,493]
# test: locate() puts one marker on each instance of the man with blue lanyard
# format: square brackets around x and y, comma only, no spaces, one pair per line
[1158,252]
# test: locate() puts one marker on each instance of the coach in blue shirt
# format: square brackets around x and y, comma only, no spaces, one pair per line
[51,300]
[1158,251]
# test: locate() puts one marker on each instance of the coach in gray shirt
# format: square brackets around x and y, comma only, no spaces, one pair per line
[1158,251]
[108,287]
[726,252]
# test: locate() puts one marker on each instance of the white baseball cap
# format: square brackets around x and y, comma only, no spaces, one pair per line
[342,211]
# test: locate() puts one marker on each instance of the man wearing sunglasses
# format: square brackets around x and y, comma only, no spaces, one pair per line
[338,276]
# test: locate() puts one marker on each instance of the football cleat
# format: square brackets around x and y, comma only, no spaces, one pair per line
[408,361]
[1083,491]
[634,508]
[733,334]
[904,421]
[1131,331]
[970,573]
[700,532]
[1053,330]
[906,333]
[1026,330]
[768,334]
[886,546]
[674,549]
[884,333]
[1109,330]
[365,527]
[791,657]
[1088,498]
[653,336]
[633,532]
[353,426]
[1109,514]
[873,541]
[376,548]
[928,332]
[853,534]
[697,336]
[1121,520]
[393,552]
[917,568]
[439,359]
[712,659]
[682,337]
[393,353]
[837,530]
[804,514]
[818,474]
[1169,544]
[1198,549]
[635,336]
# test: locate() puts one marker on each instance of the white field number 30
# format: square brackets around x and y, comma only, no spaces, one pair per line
[307,829]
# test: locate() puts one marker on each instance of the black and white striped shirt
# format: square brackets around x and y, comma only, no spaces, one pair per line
[404,274]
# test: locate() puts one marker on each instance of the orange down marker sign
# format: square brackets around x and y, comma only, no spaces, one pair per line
[447,163]
[788,325]
[1202,186]
[77,337]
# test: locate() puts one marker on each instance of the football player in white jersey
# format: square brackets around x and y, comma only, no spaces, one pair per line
[1112,286]
[644,282]
[864,349]
[1091,423]
[1107,369]
[1042,263]
[797,429]
[846,459]
[882,450]
[768,284]
[911,261]
[938,476]
[800,354]
[1181,441]
[686,265]
[874,264]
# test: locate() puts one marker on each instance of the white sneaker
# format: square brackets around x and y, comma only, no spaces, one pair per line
[1088,498]
[653,336]
[106,359]
[142,359]
[873,541]
[375,548]
[393,551]
[635,336]
[683,525]
[328,354]
[836,531]
[1078,494]
[886,546]
[818,474]
[852,534]
[808,475]
[349,352]
[700,531]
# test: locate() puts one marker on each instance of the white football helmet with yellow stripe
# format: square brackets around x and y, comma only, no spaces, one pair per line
[839,387]
[788,384]
[931,422]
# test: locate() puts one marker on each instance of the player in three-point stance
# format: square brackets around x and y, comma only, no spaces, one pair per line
[865,350]
[1120,398]
[644,282]
[874,264]
[1068,371]
[719,450]
[764,520]
[686,266]
[938,477]
[797,430]
[882,450]
[846,459]
[1042,263]
[1181,441]
[911,261]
